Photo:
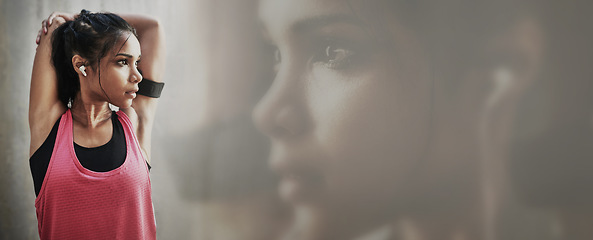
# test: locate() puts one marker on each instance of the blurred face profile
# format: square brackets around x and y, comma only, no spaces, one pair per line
[348,112]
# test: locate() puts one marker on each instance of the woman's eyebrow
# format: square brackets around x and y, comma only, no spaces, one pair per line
[126,55]
[316,22]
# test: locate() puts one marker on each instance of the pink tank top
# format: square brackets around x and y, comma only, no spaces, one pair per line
[77,203]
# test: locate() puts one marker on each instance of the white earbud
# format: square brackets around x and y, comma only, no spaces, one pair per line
[82,68]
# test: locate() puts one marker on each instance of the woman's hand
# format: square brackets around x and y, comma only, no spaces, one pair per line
[55,17]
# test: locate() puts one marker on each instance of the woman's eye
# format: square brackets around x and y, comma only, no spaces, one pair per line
[123,62]
[336,57]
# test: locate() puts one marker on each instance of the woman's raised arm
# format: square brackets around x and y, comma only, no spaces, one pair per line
[44,106]
[152,44]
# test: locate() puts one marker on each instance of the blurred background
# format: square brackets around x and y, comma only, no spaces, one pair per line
[512,115]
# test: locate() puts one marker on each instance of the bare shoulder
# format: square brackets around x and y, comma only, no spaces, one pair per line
[142,132]
[133,116]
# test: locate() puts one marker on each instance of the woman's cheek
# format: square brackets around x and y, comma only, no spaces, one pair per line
[373,131]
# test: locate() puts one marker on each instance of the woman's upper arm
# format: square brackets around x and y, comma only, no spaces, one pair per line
[44,105]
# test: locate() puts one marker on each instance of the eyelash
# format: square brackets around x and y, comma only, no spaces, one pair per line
[328,53]
[334,56]
[124,62]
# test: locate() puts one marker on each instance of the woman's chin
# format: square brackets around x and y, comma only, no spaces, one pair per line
[300,190]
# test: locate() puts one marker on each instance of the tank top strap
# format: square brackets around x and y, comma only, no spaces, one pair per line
[130,133]
[65,134]
[65,128]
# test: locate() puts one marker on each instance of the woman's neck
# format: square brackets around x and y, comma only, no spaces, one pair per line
[90,114]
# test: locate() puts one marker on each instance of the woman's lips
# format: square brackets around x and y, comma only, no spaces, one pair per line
[300,168]
[131,94]
[301,185]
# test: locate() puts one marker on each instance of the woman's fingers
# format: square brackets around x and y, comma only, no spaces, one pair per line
[55,17]
[44,26]
[43,30]
[58,18]
[38,37]
[51,18]
[65,16]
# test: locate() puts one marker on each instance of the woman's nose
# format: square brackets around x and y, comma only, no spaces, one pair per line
[136,76]
[282,112]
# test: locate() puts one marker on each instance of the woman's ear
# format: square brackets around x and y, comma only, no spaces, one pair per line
[80,65]
[520,49]
[515,57]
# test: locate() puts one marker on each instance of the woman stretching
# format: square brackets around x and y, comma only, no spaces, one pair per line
[89,163]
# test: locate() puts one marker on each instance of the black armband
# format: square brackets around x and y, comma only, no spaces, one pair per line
[150,88]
